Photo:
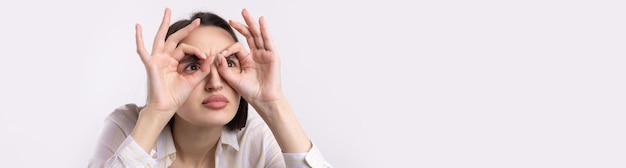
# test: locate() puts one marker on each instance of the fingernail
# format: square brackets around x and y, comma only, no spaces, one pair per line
[203,55]
[224,52]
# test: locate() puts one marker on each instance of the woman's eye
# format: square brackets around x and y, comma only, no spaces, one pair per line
[192,67]
[231,63]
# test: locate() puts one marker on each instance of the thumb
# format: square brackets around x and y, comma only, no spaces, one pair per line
[228,75]
[205,68]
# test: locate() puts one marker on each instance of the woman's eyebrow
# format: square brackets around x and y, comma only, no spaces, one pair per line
[189,58]
[231,57]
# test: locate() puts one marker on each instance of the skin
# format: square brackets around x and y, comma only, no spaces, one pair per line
[196,126]
[208,39]
[174,90]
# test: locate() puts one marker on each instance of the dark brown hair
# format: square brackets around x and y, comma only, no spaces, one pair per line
[210,19]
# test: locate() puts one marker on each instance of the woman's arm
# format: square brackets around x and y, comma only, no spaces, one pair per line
[111,138]
[167,91]
[284,125]
[116,148]
[259,83]
[167,88]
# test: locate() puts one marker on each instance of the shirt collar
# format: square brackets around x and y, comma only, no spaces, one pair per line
[229,137]
[165,142]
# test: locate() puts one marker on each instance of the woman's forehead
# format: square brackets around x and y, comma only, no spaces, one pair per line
[209,37]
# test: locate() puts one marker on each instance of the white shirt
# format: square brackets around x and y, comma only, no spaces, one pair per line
[252,146]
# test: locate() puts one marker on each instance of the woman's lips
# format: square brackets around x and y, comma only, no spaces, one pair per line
[215,102]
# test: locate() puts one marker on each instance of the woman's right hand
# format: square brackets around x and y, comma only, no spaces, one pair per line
[168,89]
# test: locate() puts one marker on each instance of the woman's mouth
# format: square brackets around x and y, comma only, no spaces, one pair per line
[215,102]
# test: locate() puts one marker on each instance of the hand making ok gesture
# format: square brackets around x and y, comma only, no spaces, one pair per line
[168,88]
[259,81]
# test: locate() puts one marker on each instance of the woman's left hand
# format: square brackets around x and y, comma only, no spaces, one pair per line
[259,80]
[259,83]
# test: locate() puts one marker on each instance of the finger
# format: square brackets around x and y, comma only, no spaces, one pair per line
[243,29]
[265,33]
[184,49]
[254,29]
[159,39]
[228,75]
[236,48]
[174,39]
[141,50]
[205,68]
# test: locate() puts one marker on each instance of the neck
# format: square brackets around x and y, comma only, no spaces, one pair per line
[195,144]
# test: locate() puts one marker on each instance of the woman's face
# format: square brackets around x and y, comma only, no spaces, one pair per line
[212,102]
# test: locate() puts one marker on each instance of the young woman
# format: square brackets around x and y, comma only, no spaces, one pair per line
[200,81]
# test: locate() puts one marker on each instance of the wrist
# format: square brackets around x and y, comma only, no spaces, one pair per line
[156,114]
[270,110]
[149,125]
[284,124]
[268,104]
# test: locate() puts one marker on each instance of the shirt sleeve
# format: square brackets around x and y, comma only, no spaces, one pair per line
[115,147]
[130,154]
[313,159]
[273,155]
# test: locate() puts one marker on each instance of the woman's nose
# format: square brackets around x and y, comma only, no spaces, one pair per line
[214,80]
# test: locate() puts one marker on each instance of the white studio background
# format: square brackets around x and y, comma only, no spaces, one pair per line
[375,84]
